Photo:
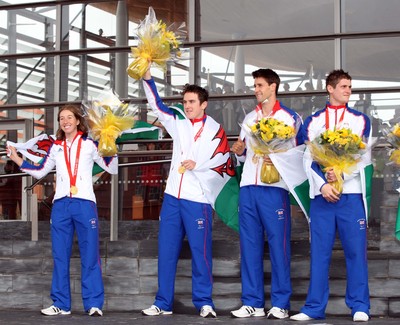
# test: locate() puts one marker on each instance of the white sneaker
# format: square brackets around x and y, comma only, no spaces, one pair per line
[155,311]
[53,311]
[360,316]
[207,311]
[248,311]
[277,313]
[300,317]
[94,311]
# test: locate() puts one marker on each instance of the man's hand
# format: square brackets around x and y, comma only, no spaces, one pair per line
[267,160]
[188,164]
[330,193]
[238,147]
[330,176]
[147,74]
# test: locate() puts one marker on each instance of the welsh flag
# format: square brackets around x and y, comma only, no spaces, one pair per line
[222,191]
[178,109]
[366,187]
[290,166]
[397,230]
[36,148]
[366,173]
[140,130]
[227,202]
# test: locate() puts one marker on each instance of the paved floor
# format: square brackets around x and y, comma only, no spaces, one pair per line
[16,317]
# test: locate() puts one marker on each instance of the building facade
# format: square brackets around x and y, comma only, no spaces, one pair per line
[58,52]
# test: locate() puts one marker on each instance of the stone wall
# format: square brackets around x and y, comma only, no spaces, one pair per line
[130,268]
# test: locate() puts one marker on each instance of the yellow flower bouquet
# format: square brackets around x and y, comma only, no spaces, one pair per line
[392,135]
[270,135]
[156,44]
[107,118]
[338,149]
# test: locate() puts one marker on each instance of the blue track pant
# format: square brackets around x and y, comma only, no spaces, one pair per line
[179,218]
[263,210]
[67,216]
[347,216]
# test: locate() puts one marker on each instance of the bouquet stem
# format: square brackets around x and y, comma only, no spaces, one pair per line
[269,173]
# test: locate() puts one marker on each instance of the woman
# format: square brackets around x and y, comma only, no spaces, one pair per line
[74,208]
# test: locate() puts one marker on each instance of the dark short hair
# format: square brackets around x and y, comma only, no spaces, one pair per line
[335,76]
[200,91]
[77,111]
[269,75]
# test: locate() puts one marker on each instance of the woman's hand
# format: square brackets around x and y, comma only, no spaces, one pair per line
[12,154]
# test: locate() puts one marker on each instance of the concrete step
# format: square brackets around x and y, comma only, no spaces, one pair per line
[130,269]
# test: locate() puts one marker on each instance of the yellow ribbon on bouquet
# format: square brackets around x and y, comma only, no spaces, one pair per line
[106,127]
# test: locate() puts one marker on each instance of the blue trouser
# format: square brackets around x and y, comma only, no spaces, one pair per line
[67,216]
[265,209]
[347,216]
[179,218]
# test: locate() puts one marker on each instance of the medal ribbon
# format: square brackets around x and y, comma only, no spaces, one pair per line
[327,115]
[198,134]
[72,177]
[182,169]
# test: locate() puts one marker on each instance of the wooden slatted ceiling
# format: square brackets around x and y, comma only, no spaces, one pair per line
[169,11]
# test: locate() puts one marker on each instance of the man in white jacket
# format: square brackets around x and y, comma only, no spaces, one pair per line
[332,211]
[264,208]
[200,159]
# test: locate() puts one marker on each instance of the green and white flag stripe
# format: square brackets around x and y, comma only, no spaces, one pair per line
[178,109]
[140,130]
[290,166]
[366,187]
[397,229]
[227,202]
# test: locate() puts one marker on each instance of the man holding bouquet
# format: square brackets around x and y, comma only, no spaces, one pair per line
[337,200]
[200,165]
[264,205]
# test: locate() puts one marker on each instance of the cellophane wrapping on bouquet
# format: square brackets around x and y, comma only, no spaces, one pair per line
[339,150]
[108,117]
[157,44]
[392,135]
[267,136]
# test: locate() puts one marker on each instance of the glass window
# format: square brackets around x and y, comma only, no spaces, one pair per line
[264,18]
[27,30]
[370,16]
[381,107]
[25,1]
[373,62]
[296,62]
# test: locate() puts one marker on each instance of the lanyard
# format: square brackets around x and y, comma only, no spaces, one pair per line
[181,169]
[200,131]
[73,176]
[327,115]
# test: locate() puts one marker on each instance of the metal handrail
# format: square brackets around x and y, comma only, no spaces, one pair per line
[123,165]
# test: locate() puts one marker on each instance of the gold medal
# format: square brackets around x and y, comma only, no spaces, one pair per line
[181,169]
[73,190]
